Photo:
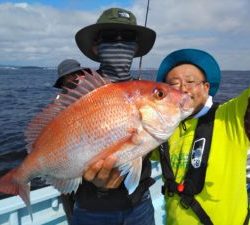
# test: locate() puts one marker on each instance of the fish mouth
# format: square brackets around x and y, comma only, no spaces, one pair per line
[186,103]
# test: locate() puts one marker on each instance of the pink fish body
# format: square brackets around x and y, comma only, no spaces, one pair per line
[91,122]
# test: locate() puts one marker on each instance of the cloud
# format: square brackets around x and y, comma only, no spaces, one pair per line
[35,34]
[41,35]
[215,26]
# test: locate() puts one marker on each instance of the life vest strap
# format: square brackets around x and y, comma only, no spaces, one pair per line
[195,176]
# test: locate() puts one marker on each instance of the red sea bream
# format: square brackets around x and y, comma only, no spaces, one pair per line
[91,122]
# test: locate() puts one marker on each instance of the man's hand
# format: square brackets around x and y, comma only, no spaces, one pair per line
[102,174]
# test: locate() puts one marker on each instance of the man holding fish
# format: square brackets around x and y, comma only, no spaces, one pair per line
[114,41]
[107,115]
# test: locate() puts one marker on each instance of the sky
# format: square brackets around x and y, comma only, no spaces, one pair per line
[41,33]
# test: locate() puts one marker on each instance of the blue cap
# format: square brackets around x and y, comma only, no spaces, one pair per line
[199,58]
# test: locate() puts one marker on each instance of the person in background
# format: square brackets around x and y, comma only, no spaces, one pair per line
[204,161]
[67,72]
[113,42]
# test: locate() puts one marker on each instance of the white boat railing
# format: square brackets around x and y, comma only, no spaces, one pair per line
[47,208]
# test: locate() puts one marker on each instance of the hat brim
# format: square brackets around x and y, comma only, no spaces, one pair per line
[58,82]
[196,57]
[85,38]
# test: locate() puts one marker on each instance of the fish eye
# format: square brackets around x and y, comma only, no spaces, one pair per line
[158,93]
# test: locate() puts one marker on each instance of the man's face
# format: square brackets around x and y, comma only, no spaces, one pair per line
[190,79]
[106,36]
[113,36]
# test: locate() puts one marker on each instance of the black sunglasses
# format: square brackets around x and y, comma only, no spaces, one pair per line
[117,35]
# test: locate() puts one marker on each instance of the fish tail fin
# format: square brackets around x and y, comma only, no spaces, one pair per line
[9,185]
[24,193]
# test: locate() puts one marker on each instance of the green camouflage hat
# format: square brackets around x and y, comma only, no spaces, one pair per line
[117,19]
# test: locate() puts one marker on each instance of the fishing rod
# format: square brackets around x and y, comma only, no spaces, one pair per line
[145,25]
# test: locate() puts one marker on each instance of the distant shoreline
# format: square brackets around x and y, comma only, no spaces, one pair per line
[21,67]
[132,69]
[31,67]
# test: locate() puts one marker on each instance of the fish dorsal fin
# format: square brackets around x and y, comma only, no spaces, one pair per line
[87,83]
[40,121]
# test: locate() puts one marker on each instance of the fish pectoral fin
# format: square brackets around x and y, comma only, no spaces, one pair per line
[64,185]
[133,171]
